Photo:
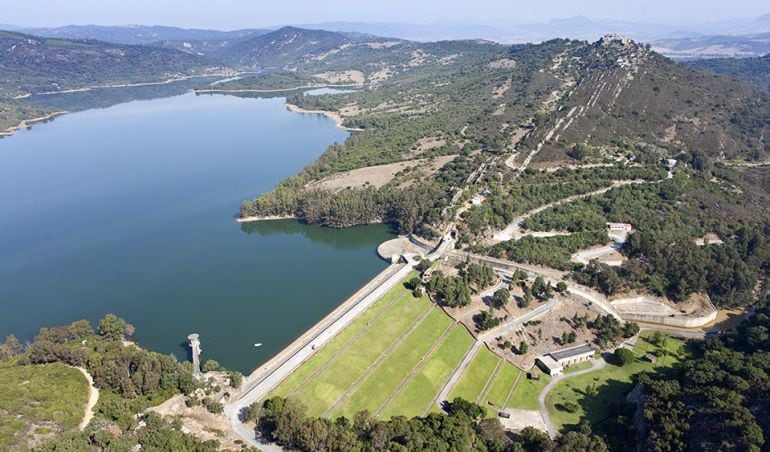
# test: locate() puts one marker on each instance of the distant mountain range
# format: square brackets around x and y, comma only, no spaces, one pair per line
[740,38]
[133,34]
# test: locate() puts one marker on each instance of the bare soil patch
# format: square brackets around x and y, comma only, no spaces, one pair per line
[379,175]
[503,63]
[544,334]
[351,76]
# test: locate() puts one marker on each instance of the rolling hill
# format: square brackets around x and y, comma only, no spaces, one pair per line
[32,64]
[755,71]
[616,91]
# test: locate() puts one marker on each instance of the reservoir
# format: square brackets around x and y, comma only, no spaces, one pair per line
[129,210]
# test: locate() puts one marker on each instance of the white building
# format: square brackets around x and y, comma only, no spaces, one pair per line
[555,362]
[620,227]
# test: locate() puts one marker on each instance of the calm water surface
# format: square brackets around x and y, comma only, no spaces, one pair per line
[129,210]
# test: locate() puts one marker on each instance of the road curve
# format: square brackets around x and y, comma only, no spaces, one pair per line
[596,364]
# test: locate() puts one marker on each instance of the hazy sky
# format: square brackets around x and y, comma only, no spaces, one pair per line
[230,14]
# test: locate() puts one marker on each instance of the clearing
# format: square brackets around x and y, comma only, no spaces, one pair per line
[379,175]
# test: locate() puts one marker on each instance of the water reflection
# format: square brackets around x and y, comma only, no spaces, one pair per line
[348,238]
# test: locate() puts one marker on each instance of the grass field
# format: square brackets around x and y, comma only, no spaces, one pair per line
[39,400]
[525,393]
[394,359]
[611,383]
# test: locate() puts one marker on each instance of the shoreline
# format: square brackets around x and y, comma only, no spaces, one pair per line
[123,85]
[338,120]
[274,90]
[266,218]
[26,123]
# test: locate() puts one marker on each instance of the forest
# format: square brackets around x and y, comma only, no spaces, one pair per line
[717,400]
[463,429]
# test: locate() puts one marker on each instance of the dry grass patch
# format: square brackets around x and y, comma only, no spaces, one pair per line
[379,175]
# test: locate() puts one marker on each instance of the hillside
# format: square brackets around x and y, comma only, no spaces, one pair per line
[619,93]
[754,71]
[38,402]
[287,46]
[31,64]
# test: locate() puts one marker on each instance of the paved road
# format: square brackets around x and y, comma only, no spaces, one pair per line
[596,364]
[507,267]
[518,321]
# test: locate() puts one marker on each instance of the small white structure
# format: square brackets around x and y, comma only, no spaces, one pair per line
[670,163]
[555,362]
[620,227]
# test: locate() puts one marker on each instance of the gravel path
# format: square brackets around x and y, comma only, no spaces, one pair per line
[93,398]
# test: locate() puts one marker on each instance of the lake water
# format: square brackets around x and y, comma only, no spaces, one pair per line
[129,209]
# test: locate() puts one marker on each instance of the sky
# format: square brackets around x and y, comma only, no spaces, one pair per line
[233,14]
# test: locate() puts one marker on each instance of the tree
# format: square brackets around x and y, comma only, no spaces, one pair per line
[413,283]
[485,320]
[624,356]
[502,296]
[523,348]
[526,300]
[519,275]
[561,287]
[236,378]
[114,328]
[79,330]
[459,405]
[581,440]
[211,365]
[11,347]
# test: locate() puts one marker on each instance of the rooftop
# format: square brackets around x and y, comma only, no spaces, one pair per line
[572,351]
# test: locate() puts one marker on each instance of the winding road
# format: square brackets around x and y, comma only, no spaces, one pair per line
[596,364]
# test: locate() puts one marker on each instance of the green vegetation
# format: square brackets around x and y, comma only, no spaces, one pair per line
[755,71]
[45,64]
[527,390]
[598,395]
[717,397]
[452,291]
[48,397]
[41,395]
[393,359]
[285,421]
[419,394]
[664,258]
[12,113]
[550,251]
[476,377]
